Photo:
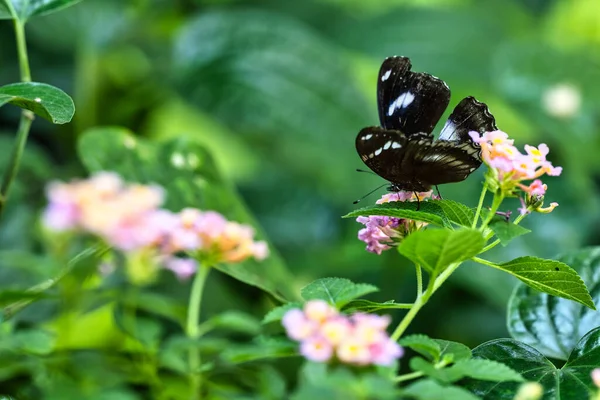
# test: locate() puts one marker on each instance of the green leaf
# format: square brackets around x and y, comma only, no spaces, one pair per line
[427,389]
[157,304]
[190,177]
[549,276]
[336,291]
[436,249]
[550,324]
[277,313]
[32,341]
[458,351]
[422,344]
[428,212]
[443,375]
[371,306]
[29,8]
[456,212]
[486,370]
[44,100]
[235,321]
[572,381]
[274,348]
[506,231]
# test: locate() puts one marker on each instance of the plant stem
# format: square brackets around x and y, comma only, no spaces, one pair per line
[480,204]
[26,115]
[498,198]
[193,329]
[420,301]
[485,262]
[497,241]
[419,279]
[406,377]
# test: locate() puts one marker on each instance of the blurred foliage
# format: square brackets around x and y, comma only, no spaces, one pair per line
[277,91]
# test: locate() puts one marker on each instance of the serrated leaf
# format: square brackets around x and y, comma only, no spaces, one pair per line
[572,381]
[458,351]
[427,389]
[436,249]
[506,231]
[443,375]
[44,100]
[277,313]
[422,344]
[549,276]
[428,212]
[371,306]
[554,325]
[25,9]
[456,212]
[336,291]
[190,177]
[486,370]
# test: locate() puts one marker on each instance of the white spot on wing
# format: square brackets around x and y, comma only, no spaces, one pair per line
[448,131]
[369,136]
[402,101]
[387,145]
[371,155]
[396,145]
[378,151]
[386,75]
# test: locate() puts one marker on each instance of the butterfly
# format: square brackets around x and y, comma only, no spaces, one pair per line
[403,150]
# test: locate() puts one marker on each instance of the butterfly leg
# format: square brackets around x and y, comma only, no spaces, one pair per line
[438,192]
[418,200]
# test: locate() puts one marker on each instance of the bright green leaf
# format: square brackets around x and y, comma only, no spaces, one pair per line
[572,381]
[422,344]
[436,249]
[372,306]
[456,212]
[428,211]
[274,348]
[427,389]
[30,341]
[554,325]
[44,100]
[234,321]
[549,276]
[506,231]
[336,291]
[25,9]
[486,370]
[458,351]
[444,375]
[277,313]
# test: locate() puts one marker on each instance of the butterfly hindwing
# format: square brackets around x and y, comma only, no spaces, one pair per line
[410,102]
[468,115]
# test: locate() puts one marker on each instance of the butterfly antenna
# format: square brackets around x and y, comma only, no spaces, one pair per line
[370,193]
[438,190]
[364,170]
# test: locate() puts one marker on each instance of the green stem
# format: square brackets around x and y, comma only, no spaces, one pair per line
[419,279]
[498,198]
[193,329]
[445,275]
[420,301]
[485,262]
[26,115]
[406,377]
[480,204]
[497,241]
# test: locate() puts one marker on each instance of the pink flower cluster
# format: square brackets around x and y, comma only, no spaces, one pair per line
[381,233]
[128,217]
[511,167]
[325,334]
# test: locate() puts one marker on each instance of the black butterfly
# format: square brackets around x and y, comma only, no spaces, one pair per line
[403,149]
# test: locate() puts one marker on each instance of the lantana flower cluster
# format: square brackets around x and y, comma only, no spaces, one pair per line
[325,334]
[510,169]
[129,218]
[382,233]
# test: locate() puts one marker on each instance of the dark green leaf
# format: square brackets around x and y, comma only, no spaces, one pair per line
[506,231]
[427,389]
[486,370]
[550,324]
[188,173]
[44,100]
[549,276]
[25,9]
[436,249]
[422,344]
[277,313]
[336,291]
[572,381]
[428,212]
[156,303]
[456,212]
[29,341]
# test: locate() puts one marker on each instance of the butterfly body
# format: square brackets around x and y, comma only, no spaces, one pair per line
[403,150]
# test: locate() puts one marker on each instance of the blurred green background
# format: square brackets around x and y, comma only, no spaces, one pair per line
[278,90]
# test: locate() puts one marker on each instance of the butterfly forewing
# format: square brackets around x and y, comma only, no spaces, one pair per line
[410,102]
[468,115]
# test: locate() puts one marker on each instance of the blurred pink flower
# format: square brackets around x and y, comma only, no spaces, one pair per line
[316,349]
[182,267]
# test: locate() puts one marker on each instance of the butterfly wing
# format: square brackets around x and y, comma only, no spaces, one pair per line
[444,162]
[468,115]
[410,102]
